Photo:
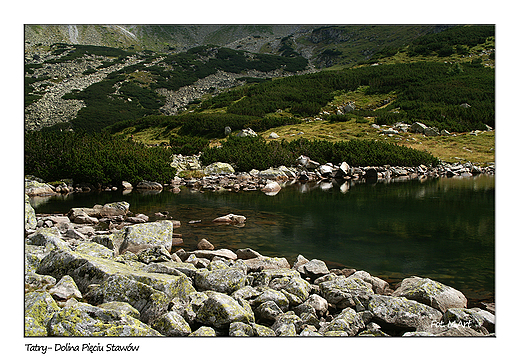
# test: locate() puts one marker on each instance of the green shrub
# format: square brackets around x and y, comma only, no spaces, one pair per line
[255,153]
[96,158]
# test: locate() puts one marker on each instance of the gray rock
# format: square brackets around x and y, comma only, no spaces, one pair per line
[149,185]
[264,262]
[219,168]
[262,331]
[36,188]
[240,329]
[274,296]
[220,310]
[347,321]
[432,293]
[221,280]
[230,219]
[172,324]
[462,317]
[149,293]
[210,254]
[154,254]
[85,320]
[400,312]
[287,324]
[30,215]
[346,292]
[247,254]
[205,245]
[248,132]
[314,269]
[268,311]
[39,309]
[65,289]
[273,135]
[204,332]
[379,286]
[121,307]
[135,238]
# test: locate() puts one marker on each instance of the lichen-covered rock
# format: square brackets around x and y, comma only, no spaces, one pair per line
[268,311]
[30,215]
[147,292]
[264,262]
[204,332]
[262,331]
[347,321]
[155,254]
[121,307]
[379,286]
[346,292]
[296,286]
[272,295]
[400,312]
[210,254]
[33,256]
[463,317]
[85,320]
[220,310]
[39,309]
[65,289]
[36,282]
[284,321]
[172,324]
[50,238]
[94,249]
[226,280]
[432,293]
[119,208]
[319,304]
[137,237]
[314,269]
[240,329]
[219,168]
[37,188]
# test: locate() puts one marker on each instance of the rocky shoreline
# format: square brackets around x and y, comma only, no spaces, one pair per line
[221,176]
[103,271]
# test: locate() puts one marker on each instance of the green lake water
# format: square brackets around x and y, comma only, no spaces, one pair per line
[443,229]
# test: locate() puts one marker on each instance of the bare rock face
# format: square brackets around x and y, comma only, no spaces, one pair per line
[205,245]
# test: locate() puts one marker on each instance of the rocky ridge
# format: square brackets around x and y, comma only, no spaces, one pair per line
[117,278]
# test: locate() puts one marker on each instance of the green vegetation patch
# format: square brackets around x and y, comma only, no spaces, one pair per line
[97,158]
[248,153]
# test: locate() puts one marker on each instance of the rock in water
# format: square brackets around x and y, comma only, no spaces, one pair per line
[230,219]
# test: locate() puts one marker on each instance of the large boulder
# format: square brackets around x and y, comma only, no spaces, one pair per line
[219,168]
[85,320]
[220,310]
[264,262]
[39,309]
[221,280]
[346,292]
[119,208]
[149,293]
[149,185]
[432,293]
[37,188]
[402,313]
[137,237]
[172,324]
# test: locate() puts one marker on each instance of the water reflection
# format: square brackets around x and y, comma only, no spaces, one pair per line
[440,228]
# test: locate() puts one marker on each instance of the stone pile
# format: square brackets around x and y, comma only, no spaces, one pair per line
[132,281]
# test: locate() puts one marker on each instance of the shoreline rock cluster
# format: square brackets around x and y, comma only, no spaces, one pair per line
[133,280]
[220,176]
